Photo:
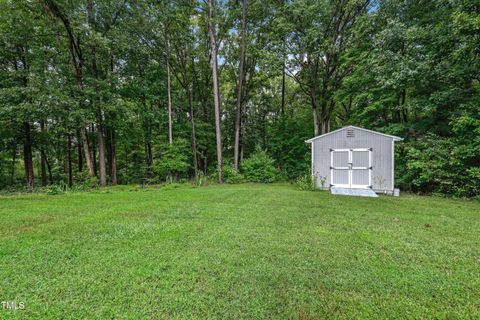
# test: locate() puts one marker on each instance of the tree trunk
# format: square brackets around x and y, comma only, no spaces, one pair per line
[328,116]
[169,89]
[113,158]
[205,166]
[28,157]
[14,161]
[100,127]
[241,154]
[216,88]
[101,151]
[79,152]
[324,116]
[43,169]
[94,151]
[49,167]
[88,155]
[77,60]
[283,88]
[148,152]
[316,126]
[315,123]
[404,111]
[241,73]
[314,102]
[194,137]
[86,151]
[147,134]
[69,160]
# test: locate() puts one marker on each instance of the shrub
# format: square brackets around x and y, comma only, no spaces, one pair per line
[54,189]
[440,165]
[201,180]
[259,167]
[83,181]
[306,183]
[230,175]
[174,160]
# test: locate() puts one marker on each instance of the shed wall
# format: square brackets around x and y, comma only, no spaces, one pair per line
[382,153]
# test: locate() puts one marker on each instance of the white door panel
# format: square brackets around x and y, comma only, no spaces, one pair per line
[351,168]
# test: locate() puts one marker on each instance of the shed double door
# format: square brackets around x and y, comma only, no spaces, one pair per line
[351,168]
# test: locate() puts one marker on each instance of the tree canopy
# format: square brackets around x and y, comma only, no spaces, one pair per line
[112,91]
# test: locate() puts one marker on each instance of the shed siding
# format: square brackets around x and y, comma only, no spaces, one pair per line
[382,170]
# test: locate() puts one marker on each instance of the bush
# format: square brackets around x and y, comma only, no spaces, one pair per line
[174,160]
[259,167]
[306,183]
[230,175]
[439,165]
[83,181]
[54,189]
[201,180]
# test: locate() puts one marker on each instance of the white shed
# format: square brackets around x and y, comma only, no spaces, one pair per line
[353,157]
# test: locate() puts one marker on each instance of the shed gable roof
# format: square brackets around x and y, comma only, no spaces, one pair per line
[395,138]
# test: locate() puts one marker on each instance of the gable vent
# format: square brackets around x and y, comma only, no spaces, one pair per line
[350,133]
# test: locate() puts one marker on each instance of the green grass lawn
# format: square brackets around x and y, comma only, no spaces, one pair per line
[238,251]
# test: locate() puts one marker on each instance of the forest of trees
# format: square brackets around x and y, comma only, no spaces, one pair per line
[104,92]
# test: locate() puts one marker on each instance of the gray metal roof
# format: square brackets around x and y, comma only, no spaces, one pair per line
[395,138]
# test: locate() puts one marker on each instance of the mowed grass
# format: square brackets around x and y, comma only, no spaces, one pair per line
[238,252]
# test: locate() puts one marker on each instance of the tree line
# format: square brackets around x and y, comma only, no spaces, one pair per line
[112,91]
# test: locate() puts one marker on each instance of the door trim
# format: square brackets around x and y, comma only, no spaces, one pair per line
[351,168]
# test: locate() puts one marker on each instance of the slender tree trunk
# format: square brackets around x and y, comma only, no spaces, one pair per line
[148,152]
[94,151]
[404,111]
[147,134]
[101,151]
[113,158]
[126,158]
[89,158]
[88,155]
[100,127]
[69,160]
[316,126]
[328,116]
[314,102]
[194,137]
[28,157]
[112,149]
[216,87]
[43,170]
[169,89]
[264,130]
[79,152]
[14,161]
[283,87]
[241,75]
[324,116]
[49,167]
[78,62]
[108,151]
